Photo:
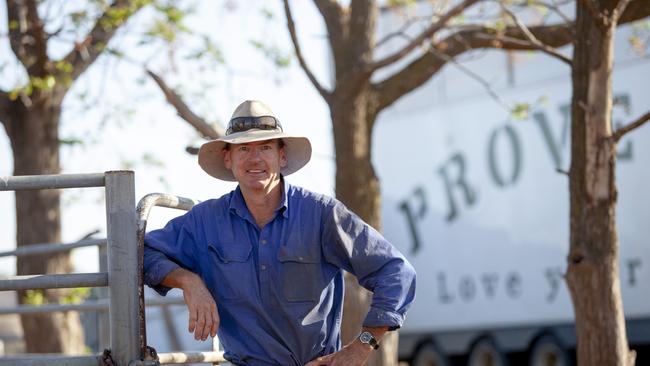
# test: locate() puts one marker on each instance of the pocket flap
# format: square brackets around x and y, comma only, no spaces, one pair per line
[231,252]
[301,253]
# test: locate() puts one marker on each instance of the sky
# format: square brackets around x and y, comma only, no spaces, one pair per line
[134,127]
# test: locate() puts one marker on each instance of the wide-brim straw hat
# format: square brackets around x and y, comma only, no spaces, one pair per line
[297,148]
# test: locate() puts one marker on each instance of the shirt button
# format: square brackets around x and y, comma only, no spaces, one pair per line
[263,241]
[263,267]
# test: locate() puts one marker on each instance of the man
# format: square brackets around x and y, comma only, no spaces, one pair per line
[262,265]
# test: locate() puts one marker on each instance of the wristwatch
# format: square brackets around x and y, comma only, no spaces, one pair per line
[369,339]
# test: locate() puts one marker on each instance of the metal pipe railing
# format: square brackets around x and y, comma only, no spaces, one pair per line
[51,360]
[33,282]
[48,248]
[30,182]
[97,305]
[182,358]
[143,209]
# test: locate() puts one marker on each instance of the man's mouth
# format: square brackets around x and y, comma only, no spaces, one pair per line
[255,171]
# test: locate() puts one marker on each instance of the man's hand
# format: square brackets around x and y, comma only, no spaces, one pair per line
[204,316]
[353,354]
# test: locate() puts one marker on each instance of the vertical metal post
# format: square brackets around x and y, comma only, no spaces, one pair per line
[103,325]
[122,266]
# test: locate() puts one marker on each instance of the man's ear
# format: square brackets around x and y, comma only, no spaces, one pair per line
[283,158]
[227,162]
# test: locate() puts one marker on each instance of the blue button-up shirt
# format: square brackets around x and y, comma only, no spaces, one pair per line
[279,289]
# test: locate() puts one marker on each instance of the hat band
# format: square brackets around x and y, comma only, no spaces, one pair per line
[241,124]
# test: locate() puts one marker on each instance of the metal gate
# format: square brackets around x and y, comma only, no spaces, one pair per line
[123,276]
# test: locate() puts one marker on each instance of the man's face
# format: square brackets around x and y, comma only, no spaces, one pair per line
[256,165]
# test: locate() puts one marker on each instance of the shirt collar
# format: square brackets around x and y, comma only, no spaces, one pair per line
[238,204]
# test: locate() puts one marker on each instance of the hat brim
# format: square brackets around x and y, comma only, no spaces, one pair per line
[297,150]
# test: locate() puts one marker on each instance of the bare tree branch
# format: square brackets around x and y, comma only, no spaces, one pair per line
[620,8]
[616,136]
[416,73]
[421,69]
[87,51]
[334,18]
[553,7]
[486,85]
[531,37]
[185,112]
[296,45]
[400,32]
[27,37]
[634,11]
[426,34]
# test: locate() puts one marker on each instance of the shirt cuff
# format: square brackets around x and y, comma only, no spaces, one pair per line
[382,318]
[156,275]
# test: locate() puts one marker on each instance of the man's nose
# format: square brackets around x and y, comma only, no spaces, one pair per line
[255,153]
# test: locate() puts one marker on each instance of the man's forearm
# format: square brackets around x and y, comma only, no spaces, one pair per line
[180,278]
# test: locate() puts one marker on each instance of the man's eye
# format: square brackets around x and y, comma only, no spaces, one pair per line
[243,148]
[266,147]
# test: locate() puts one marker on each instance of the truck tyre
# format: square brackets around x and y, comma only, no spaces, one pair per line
[549,351]
[429,355]
[486,353]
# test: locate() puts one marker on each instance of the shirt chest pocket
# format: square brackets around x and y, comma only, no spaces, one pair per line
[230,268]
[302,272]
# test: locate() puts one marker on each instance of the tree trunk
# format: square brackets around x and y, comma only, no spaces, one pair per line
[357,187]
[593,262]
[33,133]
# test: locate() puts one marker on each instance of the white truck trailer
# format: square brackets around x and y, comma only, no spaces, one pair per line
[479,202]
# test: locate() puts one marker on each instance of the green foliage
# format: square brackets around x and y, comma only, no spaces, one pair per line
[520,111]
[640,37]
[76,295]
[78,18]
[152,161]
[73,296]
[116,16]
[267,14]
[71,141]
[280,58]
[169,22]
[41,84]
[63,66]
[395,3]
[35,297]
[45,83]
[208,49]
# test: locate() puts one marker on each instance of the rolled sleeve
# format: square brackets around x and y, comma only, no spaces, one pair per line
[168,249]
[158,267]
[382,318]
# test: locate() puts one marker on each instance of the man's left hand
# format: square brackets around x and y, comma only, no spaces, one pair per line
[353,354]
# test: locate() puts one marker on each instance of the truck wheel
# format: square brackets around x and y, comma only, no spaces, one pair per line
[486,353]
[429,355]
[549,351]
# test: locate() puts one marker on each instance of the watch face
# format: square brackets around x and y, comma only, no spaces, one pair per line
[365,337]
